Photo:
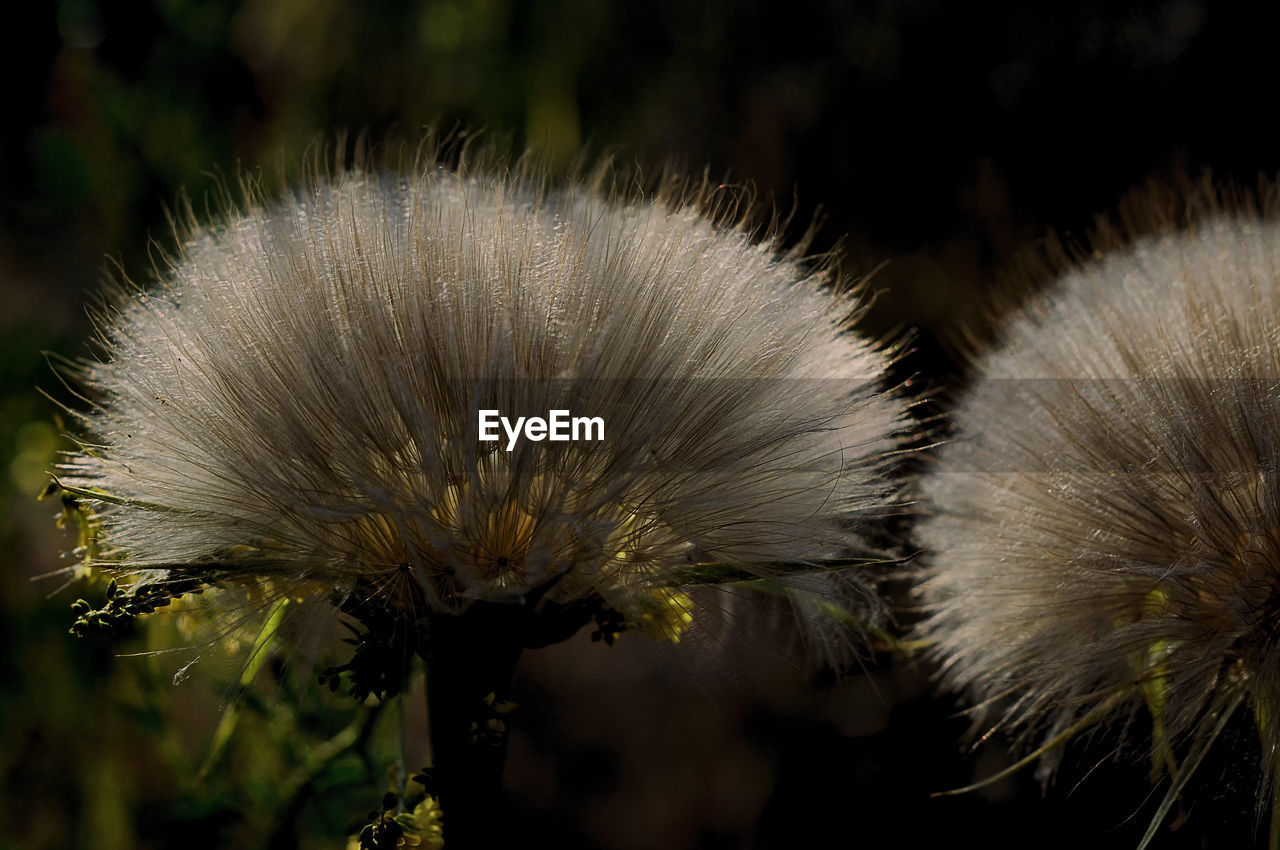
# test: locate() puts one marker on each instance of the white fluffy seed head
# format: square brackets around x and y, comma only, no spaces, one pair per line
[1106,528]
[296,400]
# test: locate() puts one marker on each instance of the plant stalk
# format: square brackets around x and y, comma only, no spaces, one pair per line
[471,661]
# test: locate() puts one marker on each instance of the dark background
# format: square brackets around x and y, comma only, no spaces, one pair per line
[942,141]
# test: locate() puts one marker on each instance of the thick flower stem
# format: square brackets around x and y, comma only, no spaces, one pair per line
[471,659]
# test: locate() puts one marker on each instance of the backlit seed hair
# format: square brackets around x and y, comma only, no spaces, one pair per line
[294,404]
[1106,520]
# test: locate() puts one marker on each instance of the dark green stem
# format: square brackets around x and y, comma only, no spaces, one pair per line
[471,660]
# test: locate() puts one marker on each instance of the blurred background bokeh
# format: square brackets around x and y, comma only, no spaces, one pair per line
[941,142]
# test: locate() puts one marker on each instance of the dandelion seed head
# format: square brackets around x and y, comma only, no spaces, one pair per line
[296,399]
[1106,521]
